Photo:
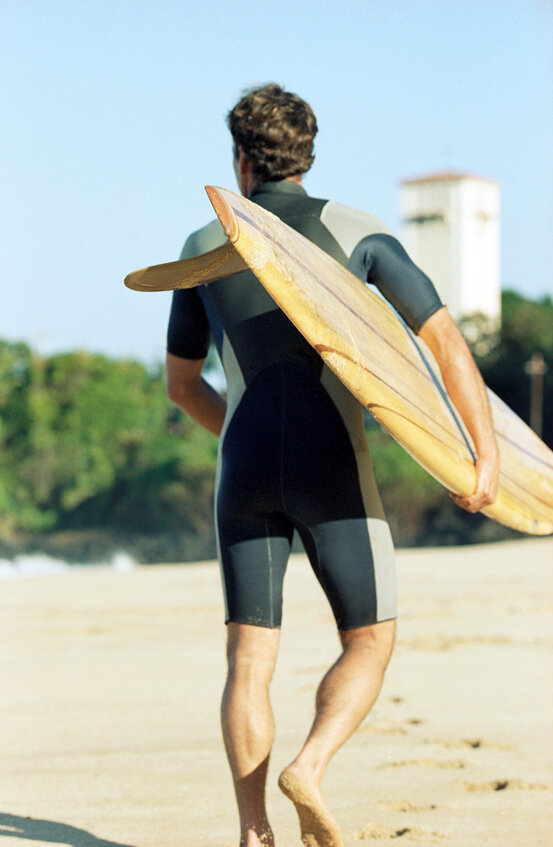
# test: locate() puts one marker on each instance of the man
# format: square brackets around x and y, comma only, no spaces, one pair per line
[293,455]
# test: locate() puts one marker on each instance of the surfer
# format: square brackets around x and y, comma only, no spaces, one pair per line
[293,456]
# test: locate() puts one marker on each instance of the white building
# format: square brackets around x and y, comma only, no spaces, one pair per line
[451,230]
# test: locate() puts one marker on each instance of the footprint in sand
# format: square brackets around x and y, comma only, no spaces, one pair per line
[503,784]
[390,727]
[376,832]
[387,728]
[473,743]
[447,764]
[408,806]
[440,643]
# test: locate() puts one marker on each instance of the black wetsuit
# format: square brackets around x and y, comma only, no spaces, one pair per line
[293,453]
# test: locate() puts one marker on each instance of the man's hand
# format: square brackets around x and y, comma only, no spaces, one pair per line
[487,483]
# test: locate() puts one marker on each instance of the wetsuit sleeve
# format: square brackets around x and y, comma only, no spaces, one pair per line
[188,330]
[381,260]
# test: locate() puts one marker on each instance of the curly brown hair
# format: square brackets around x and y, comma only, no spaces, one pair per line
[275,129]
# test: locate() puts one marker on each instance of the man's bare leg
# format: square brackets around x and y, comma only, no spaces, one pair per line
[345,696]
[248,725]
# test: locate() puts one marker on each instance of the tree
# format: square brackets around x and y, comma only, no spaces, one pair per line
[526,328]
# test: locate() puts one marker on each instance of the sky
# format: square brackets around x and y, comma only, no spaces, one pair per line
[113,120]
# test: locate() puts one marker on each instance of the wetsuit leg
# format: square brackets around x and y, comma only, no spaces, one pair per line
[253,572]
[332,498]
[287,461]
[254,536]
[354,563]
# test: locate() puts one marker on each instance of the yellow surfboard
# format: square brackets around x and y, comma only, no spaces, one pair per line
[364,342]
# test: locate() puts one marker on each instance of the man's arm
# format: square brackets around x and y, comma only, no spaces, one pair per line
[467,391]
[381,259]
[191,393]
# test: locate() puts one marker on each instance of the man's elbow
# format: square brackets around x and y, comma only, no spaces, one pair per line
[183,379]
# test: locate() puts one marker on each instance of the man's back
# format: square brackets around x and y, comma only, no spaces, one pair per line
[250,331]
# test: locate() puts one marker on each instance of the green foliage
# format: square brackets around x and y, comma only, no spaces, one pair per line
[90,445]
[395,469]
[409,494]
[87,441]
[527,325]
[526,328]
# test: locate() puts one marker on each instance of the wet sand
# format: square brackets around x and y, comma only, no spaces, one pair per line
[109,707]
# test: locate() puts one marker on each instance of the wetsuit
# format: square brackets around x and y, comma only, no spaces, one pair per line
[293,452]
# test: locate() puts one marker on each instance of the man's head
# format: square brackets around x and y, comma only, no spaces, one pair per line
[275,130]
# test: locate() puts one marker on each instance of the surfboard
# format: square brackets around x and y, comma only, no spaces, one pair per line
[361,338]
[186,273]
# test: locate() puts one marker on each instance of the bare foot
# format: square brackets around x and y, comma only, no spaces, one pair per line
[318,827]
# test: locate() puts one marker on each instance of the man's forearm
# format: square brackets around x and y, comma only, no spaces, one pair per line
[466,389]
[191,393]
[205,405]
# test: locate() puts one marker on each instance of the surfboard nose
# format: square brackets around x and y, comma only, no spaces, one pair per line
[224,212]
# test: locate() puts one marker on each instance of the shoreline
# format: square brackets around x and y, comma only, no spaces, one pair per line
[44,564]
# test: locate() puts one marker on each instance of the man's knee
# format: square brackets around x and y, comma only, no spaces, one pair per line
[378,639]
[251,651]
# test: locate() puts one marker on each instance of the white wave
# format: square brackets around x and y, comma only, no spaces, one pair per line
[122,562]
[39,564]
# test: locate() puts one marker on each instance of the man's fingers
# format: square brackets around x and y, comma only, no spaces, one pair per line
[473,503]
[487,485]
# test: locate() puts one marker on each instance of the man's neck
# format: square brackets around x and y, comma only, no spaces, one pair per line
[246,178]
[251,184]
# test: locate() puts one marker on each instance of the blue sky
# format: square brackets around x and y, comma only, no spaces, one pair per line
[113,121]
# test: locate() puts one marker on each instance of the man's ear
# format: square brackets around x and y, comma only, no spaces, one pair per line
[243,169]
[244,164]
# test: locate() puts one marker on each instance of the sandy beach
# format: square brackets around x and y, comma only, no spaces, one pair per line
[109,707]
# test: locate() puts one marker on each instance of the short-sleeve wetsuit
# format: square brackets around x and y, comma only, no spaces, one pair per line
[293,452]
